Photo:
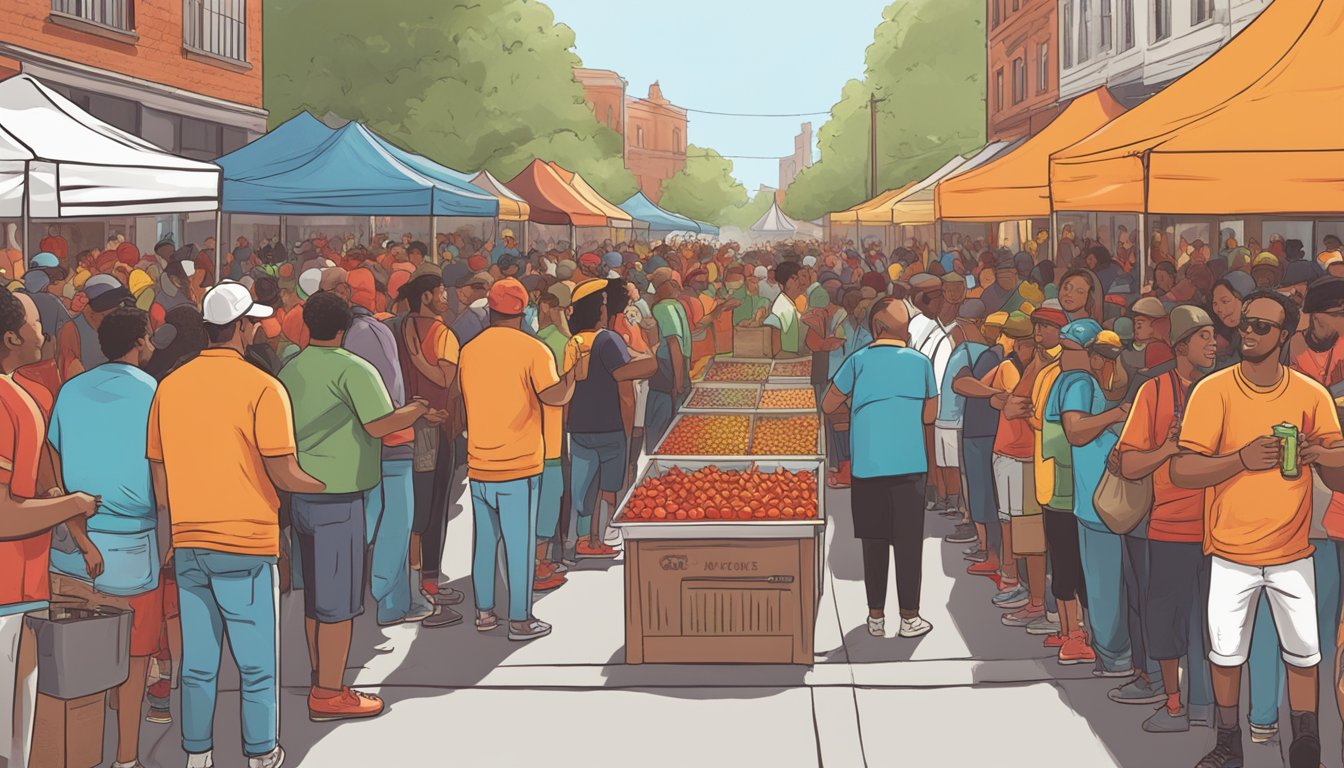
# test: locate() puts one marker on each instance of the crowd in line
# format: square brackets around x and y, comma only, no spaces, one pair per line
[188,448]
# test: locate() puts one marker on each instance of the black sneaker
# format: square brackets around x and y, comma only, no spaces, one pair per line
[1305,751]
[1226,753]
[963,534]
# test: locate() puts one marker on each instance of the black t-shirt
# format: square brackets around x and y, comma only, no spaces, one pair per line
[596,406]
[980,419]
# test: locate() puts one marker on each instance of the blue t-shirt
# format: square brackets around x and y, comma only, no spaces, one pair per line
[1079,391]
[887,386]
[951,406]
[98,428]
[596,405]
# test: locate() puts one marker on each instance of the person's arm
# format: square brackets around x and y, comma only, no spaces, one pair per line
[164,527]
[776,344]
[1196,470]
[561,391]
[427,369]
[1136,465]
[288,476]
[626,389]
[930,410]
[637,369]
[397,420]
[966,385]
[1081,428]
[679,372]
[21,518]
[833,400]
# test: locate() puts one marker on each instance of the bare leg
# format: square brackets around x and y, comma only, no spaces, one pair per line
[1007,562]
[130,696]
[333,648]
[310,630]
[1226,686]
[1171,676]
[1303,688]
[1036,579]
[980,536]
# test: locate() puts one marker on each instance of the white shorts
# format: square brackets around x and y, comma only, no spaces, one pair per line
[1234,592]
[1009,485]
[946,447]
[18,690]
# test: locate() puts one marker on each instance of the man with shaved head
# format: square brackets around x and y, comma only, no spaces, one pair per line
[892,391]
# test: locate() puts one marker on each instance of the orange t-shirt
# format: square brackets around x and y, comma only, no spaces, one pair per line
[295,329]
[24,563]
[1257,518]
[1014,438]
[1178,513]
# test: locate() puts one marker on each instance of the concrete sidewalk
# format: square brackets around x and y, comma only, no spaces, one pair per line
[971,692]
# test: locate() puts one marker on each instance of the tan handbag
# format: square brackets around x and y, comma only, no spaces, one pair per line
[1029,535]
[1122,504]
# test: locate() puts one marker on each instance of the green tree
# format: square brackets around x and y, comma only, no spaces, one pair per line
[743,216]
[927,63]
[705,189]
[475,85]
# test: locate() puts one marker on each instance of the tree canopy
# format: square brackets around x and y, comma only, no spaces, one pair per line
[486,84]
[705,189]
[927,64]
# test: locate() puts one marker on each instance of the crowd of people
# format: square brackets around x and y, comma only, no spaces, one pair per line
[188,448]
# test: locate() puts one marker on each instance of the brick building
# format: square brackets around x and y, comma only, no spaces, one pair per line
[791,166]
[1023,78]
[183,74]
[653,129]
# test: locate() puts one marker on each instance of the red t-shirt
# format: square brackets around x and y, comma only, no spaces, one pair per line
[1178,513]
[24,563]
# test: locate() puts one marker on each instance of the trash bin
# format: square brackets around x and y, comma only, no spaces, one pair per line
[81,651]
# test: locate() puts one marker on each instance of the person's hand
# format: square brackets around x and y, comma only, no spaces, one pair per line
[830,345]
[93,561]
[999,400]
[83,504]
[168,556]
[732,304]
[1261,454]
[1314,452]
[579,371]
[438,416]
[419,406]
[1017,407]
[1113,463]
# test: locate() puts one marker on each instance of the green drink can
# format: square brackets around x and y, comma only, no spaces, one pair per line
[1287,434]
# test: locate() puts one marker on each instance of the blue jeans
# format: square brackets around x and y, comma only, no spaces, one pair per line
[658,412]
[1107,610]
[388,512]
[1264,667]
[597,465]
[509,510]
[225,593]
[552,490]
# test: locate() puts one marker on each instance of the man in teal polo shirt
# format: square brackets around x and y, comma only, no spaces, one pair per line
[892,396]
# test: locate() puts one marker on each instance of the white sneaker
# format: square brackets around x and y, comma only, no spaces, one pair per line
[273,759]
[612,538]
[914,627]
[877,627]
[201,760]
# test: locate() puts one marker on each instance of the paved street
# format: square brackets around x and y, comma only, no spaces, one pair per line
[960,692]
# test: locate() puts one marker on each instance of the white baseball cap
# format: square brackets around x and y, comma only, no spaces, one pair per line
[229,301]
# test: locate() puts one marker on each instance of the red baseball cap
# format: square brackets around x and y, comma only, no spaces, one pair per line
[476,263]
[590,260]
[507,297]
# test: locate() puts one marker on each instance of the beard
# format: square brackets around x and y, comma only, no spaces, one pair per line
[1319,343]
[1261,356]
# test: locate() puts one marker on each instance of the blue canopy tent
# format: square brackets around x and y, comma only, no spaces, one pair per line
[294,138]
[660,220]
[349,173]
[708,229]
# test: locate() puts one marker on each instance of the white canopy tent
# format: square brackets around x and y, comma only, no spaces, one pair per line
[58,161]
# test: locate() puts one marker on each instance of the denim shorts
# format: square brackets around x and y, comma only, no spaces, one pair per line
[602,455]
[330,530]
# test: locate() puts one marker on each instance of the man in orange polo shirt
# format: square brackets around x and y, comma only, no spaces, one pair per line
[507,377]
[26,520]
[225,519]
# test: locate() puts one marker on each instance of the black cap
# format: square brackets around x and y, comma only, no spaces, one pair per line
[1325,294]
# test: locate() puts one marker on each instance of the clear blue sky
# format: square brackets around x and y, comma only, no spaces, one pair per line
[756,56]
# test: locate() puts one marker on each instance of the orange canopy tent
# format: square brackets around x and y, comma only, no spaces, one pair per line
[551,200]
[875,212]
[1255,129]
[616,217]
[1016,185]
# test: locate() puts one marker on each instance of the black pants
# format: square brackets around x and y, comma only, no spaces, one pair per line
[1177,597]
[432,494]
[1135,566]
[889,515]
[1066,559]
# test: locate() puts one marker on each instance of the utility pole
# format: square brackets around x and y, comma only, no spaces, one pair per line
[873,101]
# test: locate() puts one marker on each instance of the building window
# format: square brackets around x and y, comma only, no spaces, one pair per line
[200,140]
[610,124]
[998,90]
[1106,25]
[1066,38]
[1043,68]
[1200,11]
[676,140]
[996,11]
[1161,19]
[1084,29]
[1019,80]
[216,27]
[1015,4]
[639,136]
[1126,24]
[113,14]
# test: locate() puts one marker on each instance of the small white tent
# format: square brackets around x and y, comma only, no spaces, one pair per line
[58,161]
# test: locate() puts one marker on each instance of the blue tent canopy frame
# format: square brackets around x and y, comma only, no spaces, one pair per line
[659,220]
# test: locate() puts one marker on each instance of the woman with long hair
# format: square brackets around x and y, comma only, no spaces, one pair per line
[1080,294]
[1225,308]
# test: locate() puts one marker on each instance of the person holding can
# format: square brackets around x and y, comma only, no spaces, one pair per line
[1235,442]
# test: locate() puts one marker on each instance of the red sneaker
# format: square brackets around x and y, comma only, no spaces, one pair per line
[548,583]
[988,568]
[429,586]
[1055,641]
[345,704]
[586,551]
[841,477]
[545,569]
[1076,650]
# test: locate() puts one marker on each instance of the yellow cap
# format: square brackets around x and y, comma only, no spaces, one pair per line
[138,281]
[506,232]
[894,272]
[1265,259]
[1107,339]
[587,288]
[996,319]
[1032,293]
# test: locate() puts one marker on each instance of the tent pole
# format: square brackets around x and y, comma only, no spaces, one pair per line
[1054,239]
[219,244]
[433,240]
[27,216]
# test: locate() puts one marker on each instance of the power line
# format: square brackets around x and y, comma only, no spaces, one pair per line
[749,114]
[736,157]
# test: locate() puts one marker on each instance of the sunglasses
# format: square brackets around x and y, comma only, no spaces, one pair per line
[1259,327]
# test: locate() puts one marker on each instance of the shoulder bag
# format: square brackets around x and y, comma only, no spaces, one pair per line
[1124,504]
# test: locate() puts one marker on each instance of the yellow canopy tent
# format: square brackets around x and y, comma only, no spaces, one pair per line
[1255,129]
[1016,184]
[869,211]
[511,206]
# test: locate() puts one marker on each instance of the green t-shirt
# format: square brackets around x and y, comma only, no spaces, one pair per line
[750,304]
[672,321]
[554,340]
[1055,447]
[784,316]
[334,394]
